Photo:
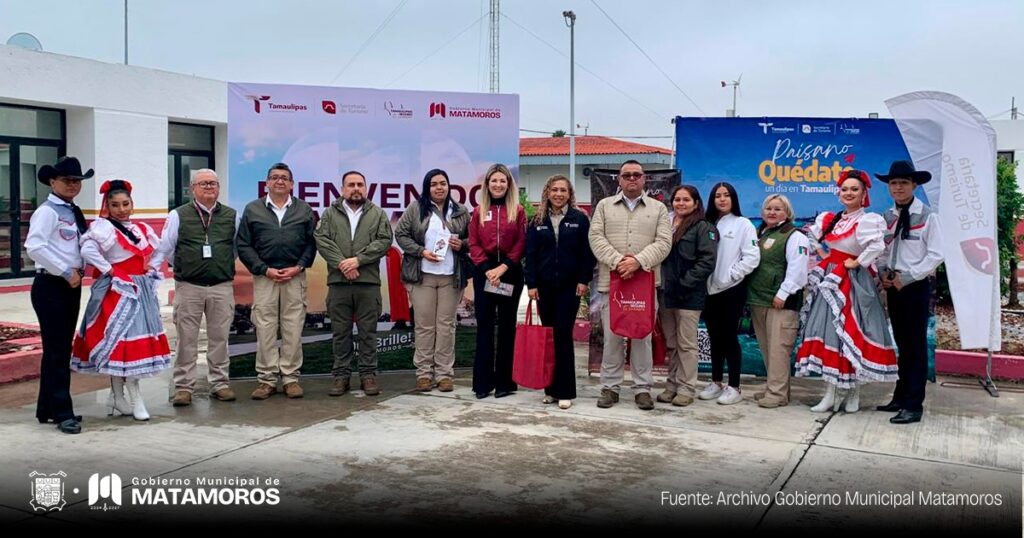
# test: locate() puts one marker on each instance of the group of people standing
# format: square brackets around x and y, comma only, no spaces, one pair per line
[706,262]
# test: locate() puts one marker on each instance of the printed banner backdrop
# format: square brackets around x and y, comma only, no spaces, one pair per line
[393,137]
[798,157]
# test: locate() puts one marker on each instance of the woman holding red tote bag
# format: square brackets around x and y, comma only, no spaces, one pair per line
[559,266]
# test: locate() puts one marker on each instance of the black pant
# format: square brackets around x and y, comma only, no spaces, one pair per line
[558,306]
[493,371]
[722,313]
[56,304]
[908,312]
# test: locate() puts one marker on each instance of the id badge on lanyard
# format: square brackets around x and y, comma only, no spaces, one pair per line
[207,249]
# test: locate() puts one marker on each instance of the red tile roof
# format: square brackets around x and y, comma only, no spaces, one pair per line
[585,145]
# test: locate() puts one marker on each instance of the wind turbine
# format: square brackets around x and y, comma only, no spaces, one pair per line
[735,86]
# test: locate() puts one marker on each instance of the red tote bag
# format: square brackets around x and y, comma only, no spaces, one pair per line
[631,310]
[533,365]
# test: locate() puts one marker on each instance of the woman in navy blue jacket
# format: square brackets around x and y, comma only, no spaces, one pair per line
[559,265]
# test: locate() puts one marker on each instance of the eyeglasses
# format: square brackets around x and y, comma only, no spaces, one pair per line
[69,180]
[628,176]
[207,184]
[279,178]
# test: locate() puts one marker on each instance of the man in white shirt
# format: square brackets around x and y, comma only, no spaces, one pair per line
[198,240]
[52,243]
[912,239]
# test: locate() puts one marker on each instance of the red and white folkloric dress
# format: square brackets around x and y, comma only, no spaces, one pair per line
[846,336]
[122,333]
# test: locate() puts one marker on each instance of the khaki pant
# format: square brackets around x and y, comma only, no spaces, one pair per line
[279,305]
[776,331]
[613,360]
[362,303]
[433,303]
[191,302]
[680,327]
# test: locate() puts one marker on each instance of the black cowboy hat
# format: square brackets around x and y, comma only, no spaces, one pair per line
[905,170]
[65,166]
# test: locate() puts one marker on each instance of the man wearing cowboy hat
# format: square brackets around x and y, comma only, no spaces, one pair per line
[911,255]
[52,243]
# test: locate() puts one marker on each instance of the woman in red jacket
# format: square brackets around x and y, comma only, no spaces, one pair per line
[497,239]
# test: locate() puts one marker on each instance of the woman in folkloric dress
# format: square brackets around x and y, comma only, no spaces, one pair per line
[845,334]
[122,334]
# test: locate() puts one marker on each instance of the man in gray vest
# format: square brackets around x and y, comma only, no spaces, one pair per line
[199,241]
[912,243]
[275,242]
[353,235]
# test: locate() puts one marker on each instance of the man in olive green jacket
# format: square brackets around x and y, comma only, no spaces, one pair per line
[353,235]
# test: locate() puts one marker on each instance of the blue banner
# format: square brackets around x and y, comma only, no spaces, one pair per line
[798,157]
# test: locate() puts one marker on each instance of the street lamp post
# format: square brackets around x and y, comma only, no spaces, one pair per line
[570,21]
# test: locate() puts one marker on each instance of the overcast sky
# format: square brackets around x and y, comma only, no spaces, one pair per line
[819,58]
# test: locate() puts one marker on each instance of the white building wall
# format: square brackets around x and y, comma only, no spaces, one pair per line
[117,117]
[145,165]
[533,176]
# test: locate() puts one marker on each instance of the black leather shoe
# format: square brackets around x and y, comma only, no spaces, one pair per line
[890,407]
[482,395]
[70,426]
[502,393]
[906,417]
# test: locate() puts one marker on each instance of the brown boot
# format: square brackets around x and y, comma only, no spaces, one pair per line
[644,401]
[666,396]
[607,399]
[445,385]
[369,386]
[340,386]
[225,395]
[424,384]
[263,391]
[182,398]
[293,390]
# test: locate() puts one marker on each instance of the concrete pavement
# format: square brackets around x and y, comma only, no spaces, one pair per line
[429,460]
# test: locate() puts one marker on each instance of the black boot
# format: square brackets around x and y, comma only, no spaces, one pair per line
[906,417]
[890,407]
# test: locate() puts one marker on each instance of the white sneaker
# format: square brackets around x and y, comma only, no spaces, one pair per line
[711,391]
[730,396]
[564,404]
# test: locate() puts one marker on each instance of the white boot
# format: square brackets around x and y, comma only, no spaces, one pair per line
[139,409]
[853,400]
[120,404]
[826,402]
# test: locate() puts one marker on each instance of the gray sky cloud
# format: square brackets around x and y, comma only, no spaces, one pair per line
[798,58]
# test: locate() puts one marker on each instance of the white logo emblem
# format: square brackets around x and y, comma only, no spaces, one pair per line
[765,126]
[104,489]
[47,491]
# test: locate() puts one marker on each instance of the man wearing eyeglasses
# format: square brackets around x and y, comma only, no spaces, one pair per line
[52,243]
[630,232]
[199,241]
[275,242]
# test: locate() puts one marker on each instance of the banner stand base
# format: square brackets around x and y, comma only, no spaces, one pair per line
[987,383]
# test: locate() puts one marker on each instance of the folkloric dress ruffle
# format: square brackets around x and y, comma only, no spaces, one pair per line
[122,333]
[846,336]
